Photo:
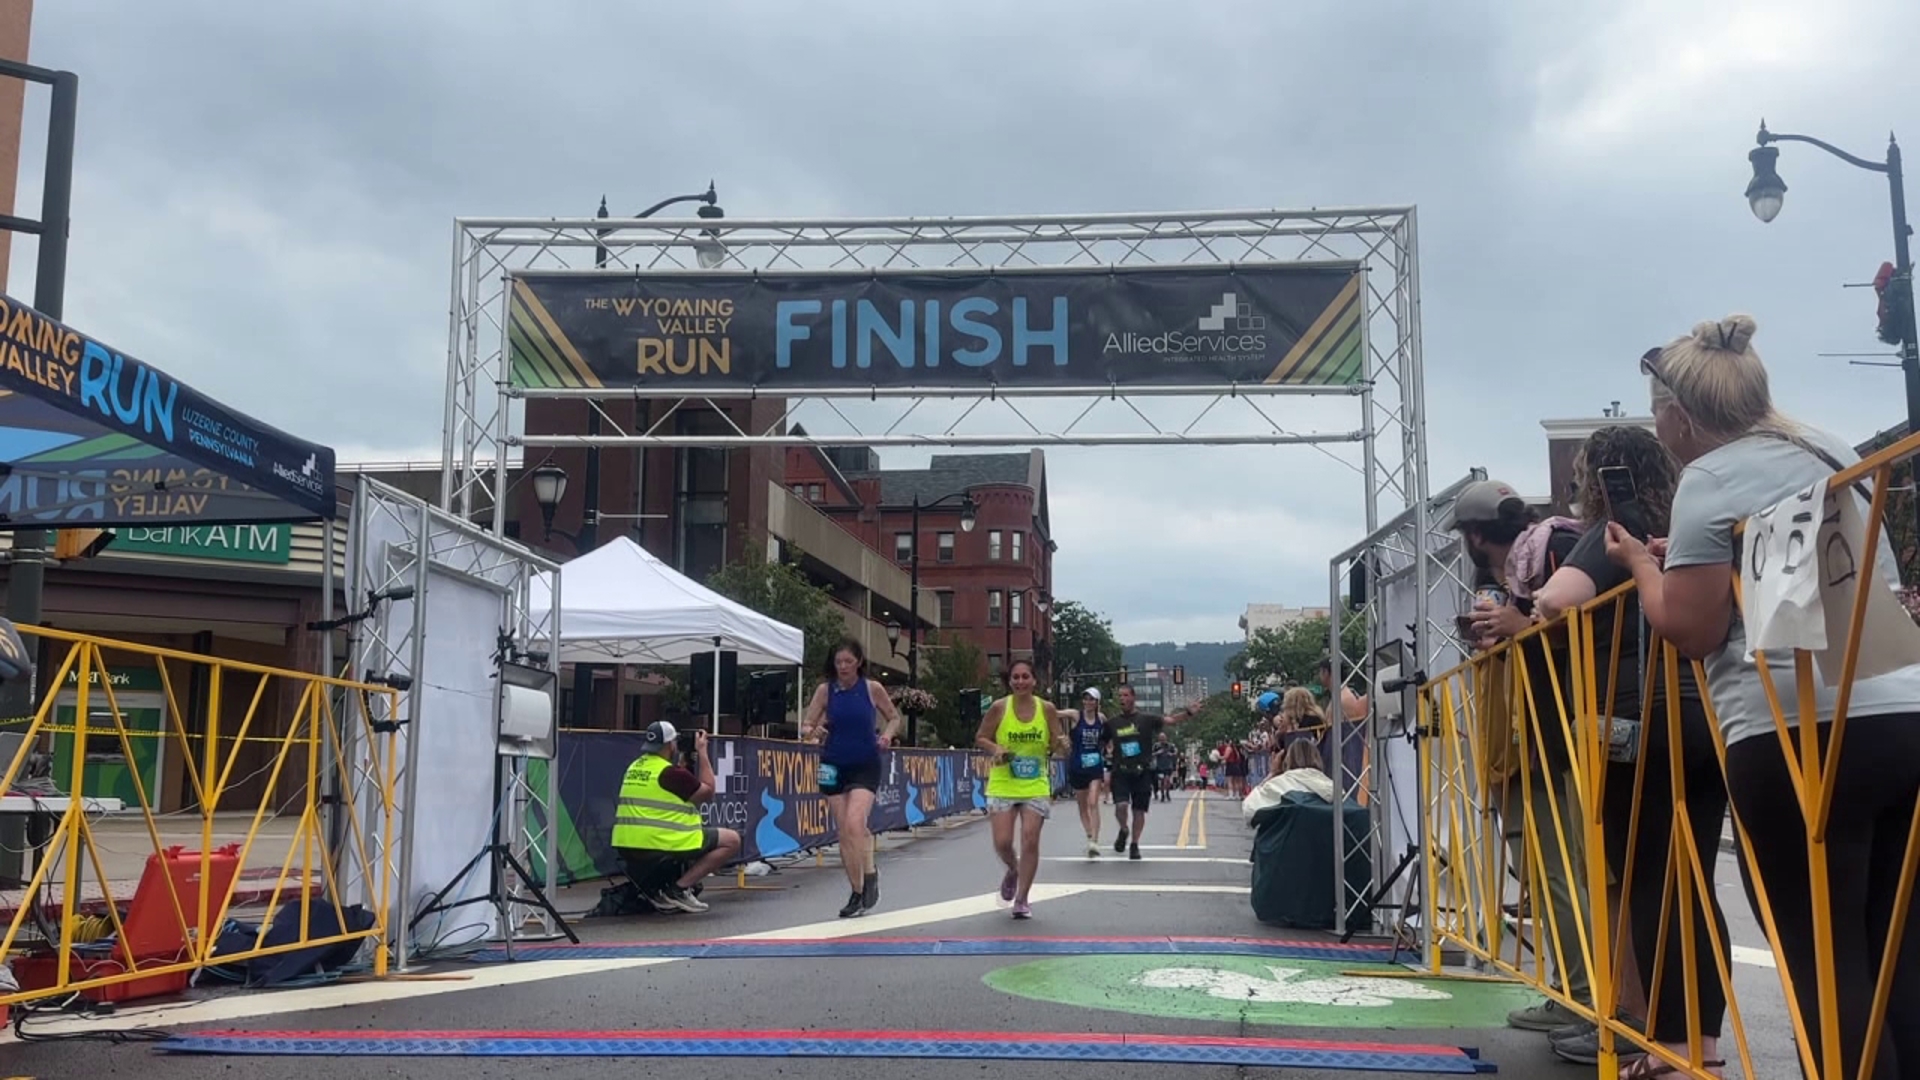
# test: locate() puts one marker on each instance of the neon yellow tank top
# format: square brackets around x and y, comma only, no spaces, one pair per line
[1030,742]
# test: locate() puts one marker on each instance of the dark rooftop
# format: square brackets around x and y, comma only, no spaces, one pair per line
[951,474]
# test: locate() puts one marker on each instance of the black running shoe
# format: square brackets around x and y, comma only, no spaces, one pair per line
[1133,853]
[870,891]
[853,908]
[1120,842]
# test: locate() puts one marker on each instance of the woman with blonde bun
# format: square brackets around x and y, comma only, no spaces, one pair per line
[1713,409]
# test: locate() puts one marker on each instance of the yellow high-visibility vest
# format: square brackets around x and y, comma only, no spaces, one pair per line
[651,818]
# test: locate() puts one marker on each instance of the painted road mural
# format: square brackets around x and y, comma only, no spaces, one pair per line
[1262,990]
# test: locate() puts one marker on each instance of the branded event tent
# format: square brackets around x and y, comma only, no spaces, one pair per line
[91,437]
[624,606]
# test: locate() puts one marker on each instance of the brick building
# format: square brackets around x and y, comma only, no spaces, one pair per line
[987,583]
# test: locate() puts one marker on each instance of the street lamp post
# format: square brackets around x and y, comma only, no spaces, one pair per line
[967,519]
[1040,602]
[1765,194]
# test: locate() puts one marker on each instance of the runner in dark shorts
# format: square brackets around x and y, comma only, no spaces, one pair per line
[1086,764]
[1129,738]
[1164,756]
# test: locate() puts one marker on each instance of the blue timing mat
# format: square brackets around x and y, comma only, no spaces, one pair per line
[736,949]
[995,1045]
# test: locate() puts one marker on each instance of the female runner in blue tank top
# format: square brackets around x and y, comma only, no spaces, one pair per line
[1087,764]
[846,707]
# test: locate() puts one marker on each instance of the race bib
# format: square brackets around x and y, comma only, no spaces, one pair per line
[827,775]
[1130,748]
[1026,768]
[1090,760]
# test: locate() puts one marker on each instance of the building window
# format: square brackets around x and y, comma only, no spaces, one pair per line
[700,497]
[815,494]
[946,607]
[1019,612]
[902,547]
[993,545]
[945,551]
[1018,551]
[799,491]
[995,598]
[993,663]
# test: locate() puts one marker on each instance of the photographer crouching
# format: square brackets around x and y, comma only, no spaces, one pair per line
[657,828]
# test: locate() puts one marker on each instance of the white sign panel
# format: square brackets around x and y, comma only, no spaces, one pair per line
[1800,568]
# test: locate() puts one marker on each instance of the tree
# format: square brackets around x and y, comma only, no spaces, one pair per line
[954,665]
[1082,640]
[1292,653]
[1219,718]
[779,590]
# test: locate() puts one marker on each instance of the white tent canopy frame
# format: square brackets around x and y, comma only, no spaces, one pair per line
[624,606]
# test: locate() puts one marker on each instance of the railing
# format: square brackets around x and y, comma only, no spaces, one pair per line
[1593,854]
[217,714]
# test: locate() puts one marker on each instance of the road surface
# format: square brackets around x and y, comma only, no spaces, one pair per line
[941,884]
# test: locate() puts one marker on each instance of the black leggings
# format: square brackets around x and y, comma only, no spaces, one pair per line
[1875,788]
[1706,799]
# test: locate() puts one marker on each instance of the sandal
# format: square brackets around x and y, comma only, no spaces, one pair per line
[1651,1067]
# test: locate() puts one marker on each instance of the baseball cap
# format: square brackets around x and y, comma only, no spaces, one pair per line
[660,733]
[1480,503]
[1092,692]
[1267,700]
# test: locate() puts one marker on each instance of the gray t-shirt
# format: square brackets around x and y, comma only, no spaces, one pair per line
[1718,492]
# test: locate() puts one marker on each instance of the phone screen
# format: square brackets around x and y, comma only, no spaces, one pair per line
[1623,500]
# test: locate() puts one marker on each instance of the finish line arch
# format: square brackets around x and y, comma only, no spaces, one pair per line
[1152,330]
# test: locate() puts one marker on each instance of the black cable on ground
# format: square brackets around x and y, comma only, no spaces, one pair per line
[78,1006]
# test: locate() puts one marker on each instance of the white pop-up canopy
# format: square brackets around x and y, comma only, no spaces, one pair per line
[621,605]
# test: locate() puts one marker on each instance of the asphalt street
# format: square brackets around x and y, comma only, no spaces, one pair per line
[941,883]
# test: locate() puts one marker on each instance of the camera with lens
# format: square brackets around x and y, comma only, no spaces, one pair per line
[684,743]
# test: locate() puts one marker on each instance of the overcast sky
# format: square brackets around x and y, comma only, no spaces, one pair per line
[265,197]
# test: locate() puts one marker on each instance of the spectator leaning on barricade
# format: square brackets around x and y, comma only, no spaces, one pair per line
[1644,749]
[1496,525]
[657,829]
[1713,409]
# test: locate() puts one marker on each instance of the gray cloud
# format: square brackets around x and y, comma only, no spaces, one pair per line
[266,192]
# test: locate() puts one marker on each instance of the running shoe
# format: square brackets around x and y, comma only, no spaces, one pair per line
[853,908]
[1023,910]
[683,900]
[870,891]
[1093,848]
[1133,853]
[1007,885]
[1120,842]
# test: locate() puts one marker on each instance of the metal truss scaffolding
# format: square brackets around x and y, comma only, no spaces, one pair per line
[1383,412]
[406,561]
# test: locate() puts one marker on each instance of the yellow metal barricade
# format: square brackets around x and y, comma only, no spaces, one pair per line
[85,868]
[1483,779]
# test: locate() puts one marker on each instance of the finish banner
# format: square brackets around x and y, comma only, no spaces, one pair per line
[767,793]
[1287,323]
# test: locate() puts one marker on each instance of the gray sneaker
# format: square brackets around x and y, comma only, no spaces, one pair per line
[1585,1049]
[1546,1016]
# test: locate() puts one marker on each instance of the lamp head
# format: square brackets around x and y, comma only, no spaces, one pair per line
[708,249]
[1766,191]
[893,633]
[967,513]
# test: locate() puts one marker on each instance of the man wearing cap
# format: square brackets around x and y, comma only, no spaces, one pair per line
[1491,519]
[657,829]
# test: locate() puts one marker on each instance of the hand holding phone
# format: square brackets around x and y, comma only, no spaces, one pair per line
[1623,501]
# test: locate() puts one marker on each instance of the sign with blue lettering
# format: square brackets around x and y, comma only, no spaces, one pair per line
[91,436]
[1299,324]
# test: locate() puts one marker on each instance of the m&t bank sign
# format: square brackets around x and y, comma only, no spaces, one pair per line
[237,543]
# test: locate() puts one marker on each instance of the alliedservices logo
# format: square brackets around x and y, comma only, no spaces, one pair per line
[306,476]
[1230,330]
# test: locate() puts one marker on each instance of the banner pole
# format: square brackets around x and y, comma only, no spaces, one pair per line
[715,729]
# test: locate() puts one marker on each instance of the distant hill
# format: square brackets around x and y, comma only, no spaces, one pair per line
[1202,658]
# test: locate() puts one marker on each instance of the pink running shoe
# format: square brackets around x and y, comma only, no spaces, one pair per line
[1023,910]
[1007,885]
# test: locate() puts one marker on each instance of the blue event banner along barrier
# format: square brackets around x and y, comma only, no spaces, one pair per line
[766,792]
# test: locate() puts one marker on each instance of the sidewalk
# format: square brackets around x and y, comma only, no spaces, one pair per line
[123,845]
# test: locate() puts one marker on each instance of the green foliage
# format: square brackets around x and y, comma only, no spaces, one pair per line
[1082,641]
[1292,653]
[953,664]
[1218,718]
[780,590]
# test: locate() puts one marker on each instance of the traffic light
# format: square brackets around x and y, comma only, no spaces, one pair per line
[1238,688]
[1895,314]
[1179,675]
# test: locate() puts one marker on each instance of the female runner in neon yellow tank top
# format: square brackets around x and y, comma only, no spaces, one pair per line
[1021,733]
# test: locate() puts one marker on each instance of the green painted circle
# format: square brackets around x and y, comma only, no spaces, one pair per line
[1261,990]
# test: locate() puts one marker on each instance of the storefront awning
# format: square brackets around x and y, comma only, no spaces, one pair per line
[92,437]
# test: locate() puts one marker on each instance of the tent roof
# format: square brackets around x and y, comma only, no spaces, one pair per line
[92,437]
[621,605]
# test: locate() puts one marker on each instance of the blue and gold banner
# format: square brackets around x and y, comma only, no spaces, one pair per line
[766,792]
[1300,324]
[90,436]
